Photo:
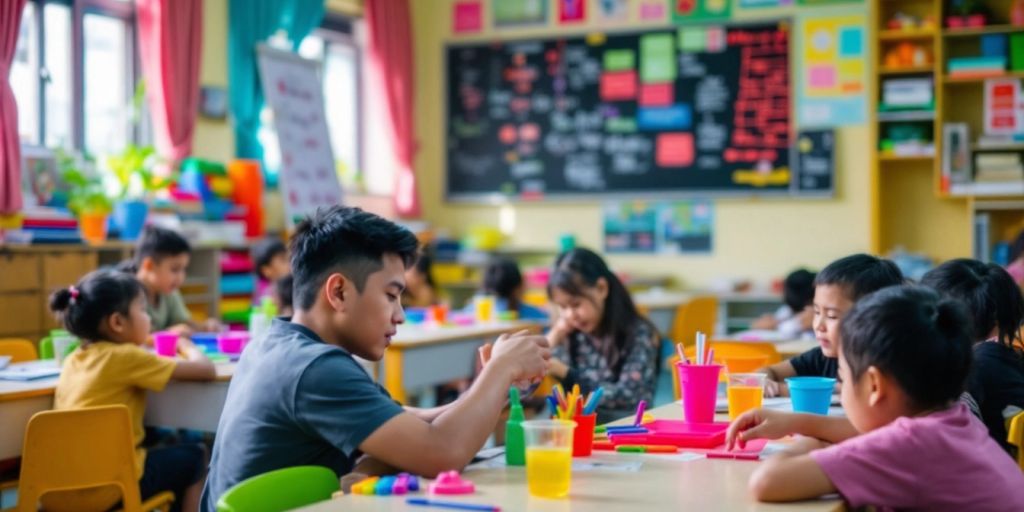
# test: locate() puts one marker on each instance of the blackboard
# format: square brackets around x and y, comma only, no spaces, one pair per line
[814,162]
[688,110]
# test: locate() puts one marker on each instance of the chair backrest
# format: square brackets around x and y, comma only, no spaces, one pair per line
[283,489]
[79,449]
[1015,436]
[46,348]
[698,314]
[20,350]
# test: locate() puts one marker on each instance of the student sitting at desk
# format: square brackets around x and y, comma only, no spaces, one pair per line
[600,338]
[908,443]
[299,397]
[996,384]
[420,290]
[107,311]
[836,288]
[795,317]
[503,279]
[270,262]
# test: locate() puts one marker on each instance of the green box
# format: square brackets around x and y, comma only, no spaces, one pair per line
[1017,52]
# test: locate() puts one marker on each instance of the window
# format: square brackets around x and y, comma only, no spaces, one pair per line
[85,108]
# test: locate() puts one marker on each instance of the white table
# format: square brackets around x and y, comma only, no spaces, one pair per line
[188,405]
[660,484]
[424,355]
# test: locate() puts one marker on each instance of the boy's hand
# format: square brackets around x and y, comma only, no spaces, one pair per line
[525,354]
[759,424]
[774,388]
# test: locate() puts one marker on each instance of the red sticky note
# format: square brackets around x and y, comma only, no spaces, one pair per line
[466,17]
[656,95]
[674,149]
[618,86]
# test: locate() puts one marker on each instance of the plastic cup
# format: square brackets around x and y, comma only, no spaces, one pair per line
[484,308]
[232,342]
[166,343]
[548,457]
[583,436]
[745,364]
[698,384]
[745,392]
[62,346]
[439,314]
[811,394]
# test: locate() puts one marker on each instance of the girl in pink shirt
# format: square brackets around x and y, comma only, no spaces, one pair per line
[906,443]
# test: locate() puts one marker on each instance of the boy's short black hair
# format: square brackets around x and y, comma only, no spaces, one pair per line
[265,251]
[798,289]
[346,240]
[158,243]
[502,278]
[989,293]
[284,290]
[860,274]
[912,334]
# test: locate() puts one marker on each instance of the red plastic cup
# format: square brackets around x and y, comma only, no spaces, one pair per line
[165,343]
[699,389]
[583,435]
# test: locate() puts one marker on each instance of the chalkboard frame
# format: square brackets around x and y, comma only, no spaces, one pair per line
[792,192]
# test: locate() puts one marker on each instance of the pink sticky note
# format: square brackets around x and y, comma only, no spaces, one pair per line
[618,86]
[656,95]
[674,149]
[466,17]
[822,77]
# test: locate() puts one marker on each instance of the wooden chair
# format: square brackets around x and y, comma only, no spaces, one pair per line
[699,314]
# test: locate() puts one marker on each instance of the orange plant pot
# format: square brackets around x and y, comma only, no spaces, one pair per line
[93,227]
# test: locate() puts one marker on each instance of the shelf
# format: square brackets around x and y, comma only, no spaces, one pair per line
[981,31]
[909,115]
[906,158]
[906,71]
[1019,146]
[1008,189]
[906,35]
[966,80]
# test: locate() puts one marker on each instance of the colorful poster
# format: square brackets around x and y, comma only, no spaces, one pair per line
[652,11]
[1002,113]
[467,17]
[689,11]
[764,4]
[572,11]
[613,10]
[832,88]
[512,13]
[658,227]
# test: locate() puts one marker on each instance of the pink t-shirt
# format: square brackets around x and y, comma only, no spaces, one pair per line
[943,461]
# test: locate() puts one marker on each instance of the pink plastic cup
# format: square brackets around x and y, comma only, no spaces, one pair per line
[166,343]
[699,389]
[232,342]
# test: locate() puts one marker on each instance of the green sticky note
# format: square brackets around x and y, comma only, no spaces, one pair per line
[619,60]
[620,125]
[657,58]
[693,39]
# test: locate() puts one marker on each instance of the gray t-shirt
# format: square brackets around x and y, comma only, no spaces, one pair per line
[294,400]
[168,311]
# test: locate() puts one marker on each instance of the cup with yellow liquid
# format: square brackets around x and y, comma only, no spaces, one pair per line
[745,392]
[548,457]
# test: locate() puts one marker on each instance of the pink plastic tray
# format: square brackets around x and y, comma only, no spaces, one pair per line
[676,433]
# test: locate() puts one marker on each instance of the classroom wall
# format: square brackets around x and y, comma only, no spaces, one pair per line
[214,139]
[754,238]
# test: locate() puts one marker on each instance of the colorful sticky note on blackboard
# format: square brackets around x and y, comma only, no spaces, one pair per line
[619,60]
[692,39]
[674,150]
[618,86]
[657,58]
[657,95]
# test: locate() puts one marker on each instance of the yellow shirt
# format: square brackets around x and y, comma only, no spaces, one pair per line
[105,373]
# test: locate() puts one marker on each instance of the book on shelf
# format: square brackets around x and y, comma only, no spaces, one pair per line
[981,236]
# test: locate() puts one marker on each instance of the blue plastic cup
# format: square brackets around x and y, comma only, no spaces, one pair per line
[811,394]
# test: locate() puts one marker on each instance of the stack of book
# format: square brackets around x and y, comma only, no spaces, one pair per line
[46,226]
[998,168]
[977,67]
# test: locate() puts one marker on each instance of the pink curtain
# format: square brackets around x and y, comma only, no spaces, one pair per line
[10,145]
[389,32]
[170,40]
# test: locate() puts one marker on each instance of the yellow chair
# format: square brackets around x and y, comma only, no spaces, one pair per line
[20,350]
[1015,436]
[727,349]
[699,314]
[87,449]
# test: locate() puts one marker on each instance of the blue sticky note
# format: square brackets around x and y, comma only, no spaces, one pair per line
[675,117]
[851,42]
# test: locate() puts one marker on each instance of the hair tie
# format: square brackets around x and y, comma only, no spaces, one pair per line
[74,293]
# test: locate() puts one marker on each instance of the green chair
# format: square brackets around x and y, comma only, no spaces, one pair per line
[46,346]
[280,490]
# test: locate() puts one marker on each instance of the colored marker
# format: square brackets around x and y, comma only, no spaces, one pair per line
[384,485]
[453,505]
[592,401]
[630,448]
[640,408]
[626,430]
[600,429]
[661,448]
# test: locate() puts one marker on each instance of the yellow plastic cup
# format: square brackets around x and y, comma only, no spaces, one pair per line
[484,306]
[745,392]
[548,457]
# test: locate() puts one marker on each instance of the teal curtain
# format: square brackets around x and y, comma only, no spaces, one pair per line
[251,22]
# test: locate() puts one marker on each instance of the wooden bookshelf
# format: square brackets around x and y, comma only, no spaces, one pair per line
[905,71]
[981,31]
[979,79]
[906,35]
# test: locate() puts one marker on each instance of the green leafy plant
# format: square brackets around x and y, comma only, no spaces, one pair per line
[133,170]
[87,195]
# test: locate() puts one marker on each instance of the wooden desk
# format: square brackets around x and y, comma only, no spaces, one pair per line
[660,484]
[421,356]
[188,405]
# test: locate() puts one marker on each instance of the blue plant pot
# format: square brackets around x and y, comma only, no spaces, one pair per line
[130,218]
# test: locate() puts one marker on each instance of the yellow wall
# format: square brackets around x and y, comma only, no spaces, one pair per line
[758,239]
[214,138]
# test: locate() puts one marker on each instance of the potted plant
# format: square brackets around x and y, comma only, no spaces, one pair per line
[87,198]
[133,171]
